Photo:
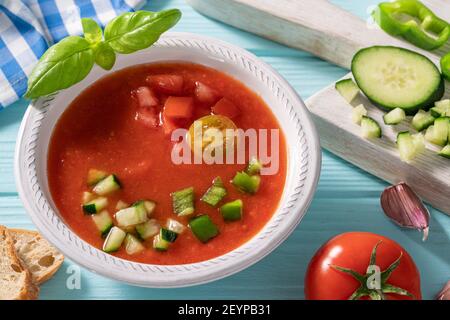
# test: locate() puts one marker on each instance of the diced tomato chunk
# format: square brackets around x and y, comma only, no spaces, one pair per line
[148,116]
[146,97]
[226,108]
[179,107]
[169,124]
[168,83]
[204,93]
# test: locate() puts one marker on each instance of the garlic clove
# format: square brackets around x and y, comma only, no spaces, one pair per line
[445,292]
[401,204]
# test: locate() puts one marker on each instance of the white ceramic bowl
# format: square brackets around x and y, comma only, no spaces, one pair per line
[304,159]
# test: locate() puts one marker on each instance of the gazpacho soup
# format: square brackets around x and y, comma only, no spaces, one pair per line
[117,180]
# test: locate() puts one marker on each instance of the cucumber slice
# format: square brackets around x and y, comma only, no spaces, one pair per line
[87,196]
[422,120]
[131,216]
[168,235]
[394,117]
[254,166]
[160,244]
[203,228]
[441,109]
[175,226]
[133,245]
[347,89]
[370,128]
[103,221]
[409,146]
[95,205]
[215,193]
[394,77]
[246,183]
[438,133]
[445,152]
[358,112]
[114,239]
[121,205]
[232,211]
[95,176]
[148,229]
[107,185]
[183,201]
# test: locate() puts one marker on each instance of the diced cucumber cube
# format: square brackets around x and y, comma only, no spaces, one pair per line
[107,185]
[422,120]
[394,117]
[160,244]
[168,235]
[348,89]
[370,129]
[103,221]
[95,205]
[175,226]
[114,239]
[358,112]
[131,216]
[148,229]
[133,245]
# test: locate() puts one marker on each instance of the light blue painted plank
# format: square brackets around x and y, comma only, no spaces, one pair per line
[347,198]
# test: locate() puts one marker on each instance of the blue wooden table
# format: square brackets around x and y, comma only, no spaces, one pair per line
[347,198]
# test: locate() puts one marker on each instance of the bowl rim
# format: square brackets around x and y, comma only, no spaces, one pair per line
[62,237]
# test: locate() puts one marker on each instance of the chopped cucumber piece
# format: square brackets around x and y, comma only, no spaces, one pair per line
[103,221]
[160,244]
[114,239]
[148,229]
[203,228]
[183,201]
[131,216]
[441,109]
[107,185]
[133,245]
[422,120]
[232,211]
[121,205]
[95,176]
[445,152]
[254,166]
[409,146]
[394,116]
[215,193]
[168,235]
[370,128]
[175,226]
[393,77]
[438,133]
[95,205]
[87,196]
[146,205]
[348,89]
[246,183]
[358,112]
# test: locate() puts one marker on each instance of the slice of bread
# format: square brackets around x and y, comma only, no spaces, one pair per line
[36,254]
[15,280]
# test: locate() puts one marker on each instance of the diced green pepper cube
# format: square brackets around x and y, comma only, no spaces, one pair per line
[254,166]
[232,211]
[203,228]
[183,201]
[246,183]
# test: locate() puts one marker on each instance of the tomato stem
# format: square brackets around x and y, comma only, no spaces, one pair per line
[371,285]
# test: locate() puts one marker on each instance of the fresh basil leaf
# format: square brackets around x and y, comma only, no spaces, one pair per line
[62,65]
[92,31]
[138,30]
[105,56]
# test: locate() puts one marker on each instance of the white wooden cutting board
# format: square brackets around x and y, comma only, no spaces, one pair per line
[333,34]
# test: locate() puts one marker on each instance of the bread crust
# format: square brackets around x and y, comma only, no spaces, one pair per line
[29,290]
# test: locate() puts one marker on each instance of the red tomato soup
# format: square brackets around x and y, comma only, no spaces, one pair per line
[122,124]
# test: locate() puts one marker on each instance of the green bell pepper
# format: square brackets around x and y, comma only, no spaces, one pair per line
[413,21]
[445,66]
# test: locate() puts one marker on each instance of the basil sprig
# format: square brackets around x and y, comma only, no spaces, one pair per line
[70,60]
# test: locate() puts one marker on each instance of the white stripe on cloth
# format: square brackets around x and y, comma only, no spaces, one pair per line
[105,11]
[70,15]
[7,93]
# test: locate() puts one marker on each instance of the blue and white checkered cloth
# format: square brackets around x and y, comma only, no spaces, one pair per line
[28,27]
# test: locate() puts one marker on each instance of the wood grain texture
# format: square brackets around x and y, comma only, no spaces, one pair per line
[347,198]
[316,26]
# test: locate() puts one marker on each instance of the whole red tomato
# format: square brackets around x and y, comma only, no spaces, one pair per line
[353,250]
